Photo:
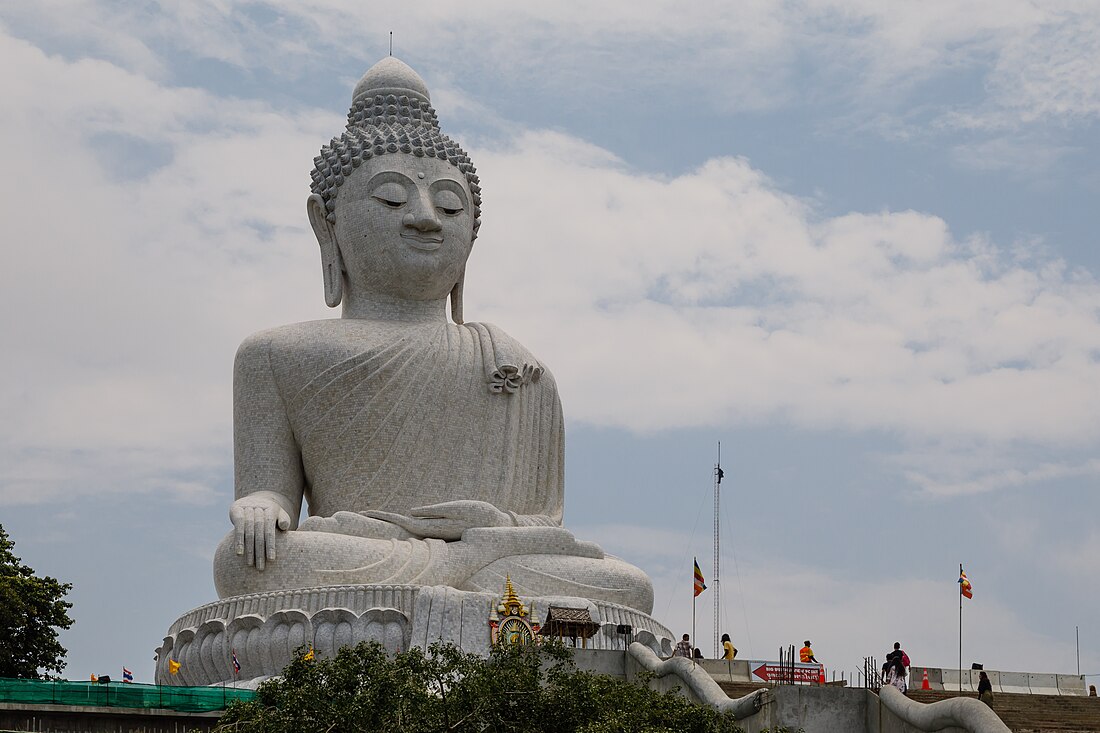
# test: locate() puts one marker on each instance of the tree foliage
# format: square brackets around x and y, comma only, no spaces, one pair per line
[32,609]
[526,689]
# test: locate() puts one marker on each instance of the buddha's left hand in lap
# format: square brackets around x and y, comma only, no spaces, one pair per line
[355,524]
[447,520]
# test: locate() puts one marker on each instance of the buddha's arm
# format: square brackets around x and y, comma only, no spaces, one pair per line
[269,482]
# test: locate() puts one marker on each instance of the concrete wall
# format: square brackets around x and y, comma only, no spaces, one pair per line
[1071,685]
[81,719]
[1043,684]
[722,670]
[1020,683]
[602,661]
[815,710]
[1014,682]
[951,680]
[916,678]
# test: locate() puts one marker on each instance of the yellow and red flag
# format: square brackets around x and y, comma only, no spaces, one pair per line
[700,586]
[964,585]
[173,666]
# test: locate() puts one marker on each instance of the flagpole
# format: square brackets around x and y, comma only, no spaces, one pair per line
[717,546]
[694,595]
[960,629]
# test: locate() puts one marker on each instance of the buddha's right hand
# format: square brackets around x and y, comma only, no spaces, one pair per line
[255,518]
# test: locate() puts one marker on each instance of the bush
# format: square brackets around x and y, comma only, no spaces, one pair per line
[526,689]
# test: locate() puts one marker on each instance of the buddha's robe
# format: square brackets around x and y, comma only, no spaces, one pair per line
[363,415]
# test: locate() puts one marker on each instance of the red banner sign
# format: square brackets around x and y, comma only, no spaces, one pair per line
[783,673]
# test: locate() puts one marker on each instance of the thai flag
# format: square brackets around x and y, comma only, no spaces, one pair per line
[127,675]
[236,664]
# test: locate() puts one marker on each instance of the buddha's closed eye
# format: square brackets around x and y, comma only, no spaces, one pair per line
[391,195]
[448,202]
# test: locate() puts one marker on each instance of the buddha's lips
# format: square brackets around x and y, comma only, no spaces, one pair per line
[423,241]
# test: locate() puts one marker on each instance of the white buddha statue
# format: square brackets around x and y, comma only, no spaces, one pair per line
[428,452]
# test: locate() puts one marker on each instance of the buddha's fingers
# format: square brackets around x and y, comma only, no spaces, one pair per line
[248,519]
[438,528]
[259,531]
[238,530]
[409,524]
[269,535]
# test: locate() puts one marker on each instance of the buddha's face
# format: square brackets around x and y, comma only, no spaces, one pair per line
[404,226]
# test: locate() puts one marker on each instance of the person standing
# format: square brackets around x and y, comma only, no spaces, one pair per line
[683,647]
[985,688]
[895,673]
[729,651]
[806,654]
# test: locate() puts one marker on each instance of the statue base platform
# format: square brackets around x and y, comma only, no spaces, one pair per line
[266,630]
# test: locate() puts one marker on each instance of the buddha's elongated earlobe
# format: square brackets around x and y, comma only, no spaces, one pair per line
[332,264]
[456,298]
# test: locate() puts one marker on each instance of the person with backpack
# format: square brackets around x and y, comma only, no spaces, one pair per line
[895,673]
[898,662]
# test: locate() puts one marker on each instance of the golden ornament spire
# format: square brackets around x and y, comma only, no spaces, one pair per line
[510,604]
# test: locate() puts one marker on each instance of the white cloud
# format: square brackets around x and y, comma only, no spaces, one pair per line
[1078,558]
[720,297]
[1051,69]
[1008,477]
[1031,62]
[1026,157]
[133,292]
[715,294]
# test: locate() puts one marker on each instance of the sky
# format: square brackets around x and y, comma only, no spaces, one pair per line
[854,242]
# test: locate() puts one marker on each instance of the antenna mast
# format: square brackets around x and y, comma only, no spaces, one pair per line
[717,546]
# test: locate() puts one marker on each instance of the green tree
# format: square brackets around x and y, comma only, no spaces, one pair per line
[518,688]
[32,609]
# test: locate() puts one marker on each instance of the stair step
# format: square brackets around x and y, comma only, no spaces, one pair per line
[1021,713]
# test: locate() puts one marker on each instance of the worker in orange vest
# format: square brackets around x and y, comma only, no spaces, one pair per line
[806,654]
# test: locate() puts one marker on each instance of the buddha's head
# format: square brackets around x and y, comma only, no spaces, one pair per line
[396,204]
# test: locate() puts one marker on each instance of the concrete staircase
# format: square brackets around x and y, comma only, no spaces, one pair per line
[1021,713]
[1033,713]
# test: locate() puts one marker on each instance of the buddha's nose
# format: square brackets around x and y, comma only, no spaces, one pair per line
[422,218]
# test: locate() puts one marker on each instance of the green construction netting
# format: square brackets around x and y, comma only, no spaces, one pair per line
[122,695]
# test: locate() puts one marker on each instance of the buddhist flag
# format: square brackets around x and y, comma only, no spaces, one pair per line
[173,666]
[700,586]
[964,585]
[309,654]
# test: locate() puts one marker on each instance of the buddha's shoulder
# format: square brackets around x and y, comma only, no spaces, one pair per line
[309,337]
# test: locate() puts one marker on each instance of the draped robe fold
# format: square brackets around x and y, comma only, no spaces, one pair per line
[412,418]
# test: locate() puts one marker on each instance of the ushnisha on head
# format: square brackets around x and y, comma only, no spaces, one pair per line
[391,114]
